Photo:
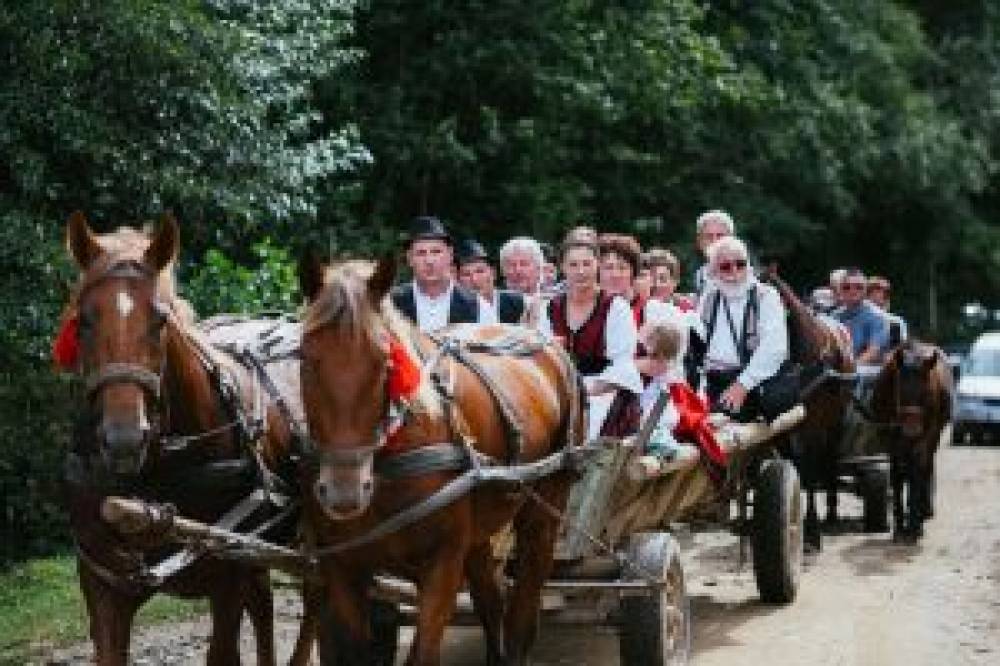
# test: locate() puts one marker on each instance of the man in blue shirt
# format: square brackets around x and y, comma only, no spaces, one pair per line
[879,290]
[866,323]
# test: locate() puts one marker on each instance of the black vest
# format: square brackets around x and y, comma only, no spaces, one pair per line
[464,307]
[510,306]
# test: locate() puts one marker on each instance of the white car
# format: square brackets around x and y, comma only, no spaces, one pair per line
[977,402]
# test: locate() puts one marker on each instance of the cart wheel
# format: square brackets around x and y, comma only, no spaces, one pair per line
[656,628]
[777,532]
[874,483]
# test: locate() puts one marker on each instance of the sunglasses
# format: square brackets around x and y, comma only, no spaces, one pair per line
[730,266]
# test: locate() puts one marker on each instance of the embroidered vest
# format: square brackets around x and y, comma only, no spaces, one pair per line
[586,344]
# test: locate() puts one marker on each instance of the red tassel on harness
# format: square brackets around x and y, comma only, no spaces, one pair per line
[66,346]
[401,385]
[692,425]
[404,374]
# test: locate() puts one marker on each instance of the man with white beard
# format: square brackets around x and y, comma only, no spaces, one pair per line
[745,330]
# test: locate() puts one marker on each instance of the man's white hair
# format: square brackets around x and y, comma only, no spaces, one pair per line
[728,245]
[720,216]
[837,276]
[523,244]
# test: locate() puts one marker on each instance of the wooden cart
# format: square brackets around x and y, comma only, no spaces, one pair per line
[863,460]
[616,561]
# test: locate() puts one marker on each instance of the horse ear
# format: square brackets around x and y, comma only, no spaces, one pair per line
[165,244]
[311,270]
[81,241]
[382,279]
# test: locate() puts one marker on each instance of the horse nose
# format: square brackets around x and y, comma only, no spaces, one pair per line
[123,443]
[340,505]
[122,437]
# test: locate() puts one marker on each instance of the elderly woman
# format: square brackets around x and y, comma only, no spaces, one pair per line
[745,331]
[599,332]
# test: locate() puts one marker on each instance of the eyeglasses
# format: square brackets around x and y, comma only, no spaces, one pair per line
[734,265]
[853,286]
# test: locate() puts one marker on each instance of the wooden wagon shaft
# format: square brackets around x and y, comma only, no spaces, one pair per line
[732,438]
[136,517]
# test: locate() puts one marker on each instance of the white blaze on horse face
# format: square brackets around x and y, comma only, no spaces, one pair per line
[125,304]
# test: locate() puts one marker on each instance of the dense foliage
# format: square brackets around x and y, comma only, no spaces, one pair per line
[837,132]
[123,108]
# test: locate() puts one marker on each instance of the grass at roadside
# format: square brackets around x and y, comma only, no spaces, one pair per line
[41,606]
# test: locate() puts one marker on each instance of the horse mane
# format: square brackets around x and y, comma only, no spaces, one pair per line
[343,300]
[343,303]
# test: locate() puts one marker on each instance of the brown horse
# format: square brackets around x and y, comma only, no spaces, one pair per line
[495,406]
[823,352]
[150,375]
[913,396]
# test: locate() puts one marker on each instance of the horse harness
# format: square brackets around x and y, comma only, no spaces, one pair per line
[458,454]
[270,490]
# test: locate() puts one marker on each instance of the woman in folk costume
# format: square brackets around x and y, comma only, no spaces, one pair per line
[619,268]
[745,331]
[599,332]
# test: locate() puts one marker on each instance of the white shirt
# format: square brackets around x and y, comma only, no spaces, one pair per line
[433,311]
[772,330]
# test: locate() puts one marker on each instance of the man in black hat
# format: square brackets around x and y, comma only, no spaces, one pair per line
[433,300]
[476,273]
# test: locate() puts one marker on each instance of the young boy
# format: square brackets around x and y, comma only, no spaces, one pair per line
[685,417]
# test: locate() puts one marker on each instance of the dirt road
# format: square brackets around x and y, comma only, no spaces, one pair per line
[864,600]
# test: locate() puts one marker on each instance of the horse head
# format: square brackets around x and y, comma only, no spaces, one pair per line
[812,339]
[905,383]
[347,363]
[118,316]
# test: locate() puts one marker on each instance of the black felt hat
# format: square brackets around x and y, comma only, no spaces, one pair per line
[427,227]
[470,250]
